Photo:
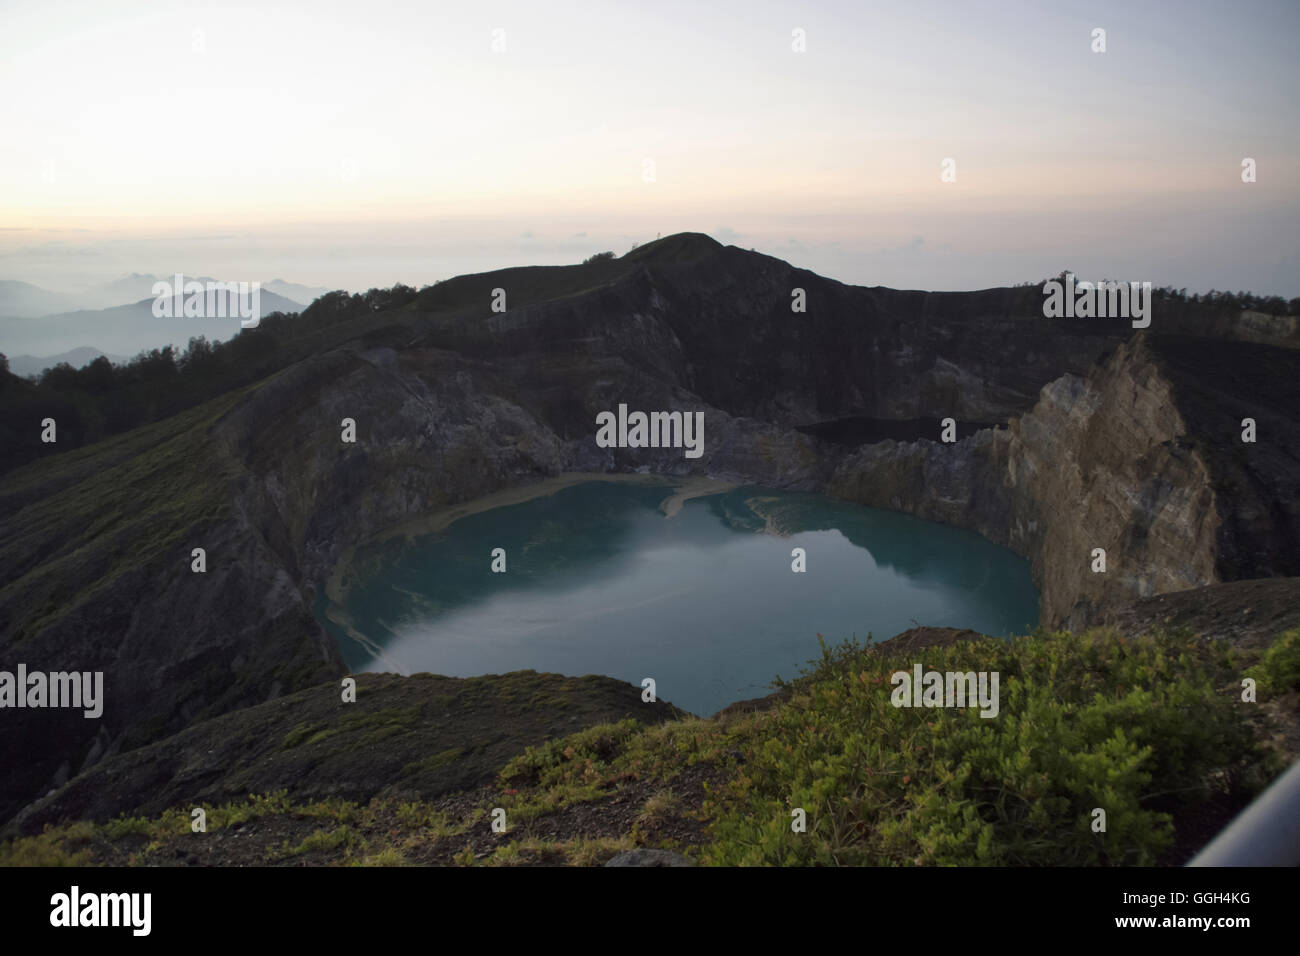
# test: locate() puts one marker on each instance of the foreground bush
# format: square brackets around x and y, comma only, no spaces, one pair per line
[1086,721]
[1278,671]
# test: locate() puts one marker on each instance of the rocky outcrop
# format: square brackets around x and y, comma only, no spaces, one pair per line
[1248,614]
[1218,386]
[1105,460]
[1245,325]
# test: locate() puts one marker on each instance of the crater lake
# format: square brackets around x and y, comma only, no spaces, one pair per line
[627,579]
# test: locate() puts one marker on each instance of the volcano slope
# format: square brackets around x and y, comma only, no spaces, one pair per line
[1114,439]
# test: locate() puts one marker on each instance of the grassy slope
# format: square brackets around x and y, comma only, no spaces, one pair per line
[74,521]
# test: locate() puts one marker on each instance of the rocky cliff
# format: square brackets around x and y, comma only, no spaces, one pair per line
[1110,461]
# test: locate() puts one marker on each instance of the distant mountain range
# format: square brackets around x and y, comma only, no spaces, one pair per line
[305,294]
[24,300]
[120,330]
[35,364]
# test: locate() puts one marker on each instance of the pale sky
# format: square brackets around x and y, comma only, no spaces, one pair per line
[347,144]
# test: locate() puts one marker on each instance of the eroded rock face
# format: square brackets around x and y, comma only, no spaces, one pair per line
[434,430]
[1102,461]
[1141,457]
[1105,462]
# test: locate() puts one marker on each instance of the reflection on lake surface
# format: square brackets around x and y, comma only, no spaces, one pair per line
[599,581]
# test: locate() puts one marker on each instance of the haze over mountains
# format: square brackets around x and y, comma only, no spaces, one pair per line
[35,364]
[40,328]
[25,300]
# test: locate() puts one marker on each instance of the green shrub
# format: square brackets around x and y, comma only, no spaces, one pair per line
[549,763]
[47,849]
[1278,671]
[344,836]
[1086,721]
[124,826]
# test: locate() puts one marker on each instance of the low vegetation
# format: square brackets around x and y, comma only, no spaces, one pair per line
[1088,722]
[1152,732]
[1278,671]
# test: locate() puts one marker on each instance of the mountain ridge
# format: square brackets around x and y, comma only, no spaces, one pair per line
[453,401]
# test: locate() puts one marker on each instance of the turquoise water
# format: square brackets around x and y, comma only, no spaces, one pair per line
[599,581]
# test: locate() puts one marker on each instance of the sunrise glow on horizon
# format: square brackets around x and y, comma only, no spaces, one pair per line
[235,137]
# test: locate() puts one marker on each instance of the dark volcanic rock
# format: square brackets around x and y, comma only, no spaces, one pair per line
[1131,458]
[1249,614]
